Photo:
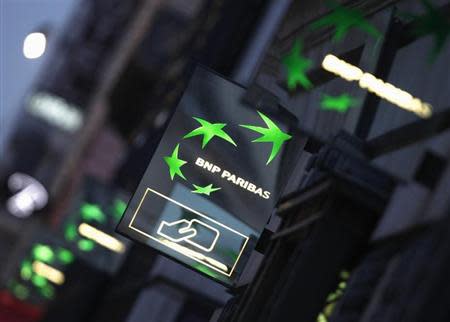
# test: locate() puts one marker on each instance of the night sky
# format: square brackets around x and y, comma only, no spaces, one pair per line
[17,19]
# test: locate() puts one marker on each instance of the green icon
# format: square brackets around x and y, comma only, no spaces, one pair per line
[26,270]
[297,66]
[43,253]
[92,212]
[86,245]
[118,208]
[272,134]
[205,190]
[433,22]
[343,19]
[65,256]
[39,281]
[70,233]
[47,291]
[175,164]
[209,130]
[338,103]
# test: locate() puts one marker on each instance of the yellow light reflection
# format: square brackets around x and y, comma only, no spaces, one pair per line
[341,68]
[101,238]
[377,86]
[193,254]
[48,272]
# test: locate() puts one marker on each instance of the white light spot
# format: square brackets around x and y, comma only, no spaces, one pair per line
[34,45]
[30,195]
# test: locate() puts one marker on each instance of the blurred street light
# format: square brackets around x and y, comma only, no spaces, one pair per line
[29,195]
[34,45]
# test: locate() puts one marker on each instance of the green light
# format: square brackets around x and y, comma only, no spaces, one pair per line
[209,130]
[43,253]
[65,256]
[205,270]
[329,309]
[343,19]
[71,232]
[338,103]
[230,254]
[92,212]
[47,291]
[297,65]
[175,164]
[204,190]
[271,134]
[86,245]
[21,291]
[119,208]
[39,281]
[26,271]
[322,318]
[344,275]
[333,297]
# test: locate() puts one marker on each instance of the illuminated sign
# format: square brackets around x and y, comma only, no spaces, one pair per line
[41,271]
[56,111]
[211,186]
[89,227]
[377,86]
[196,238]
[48,272]
[101,238]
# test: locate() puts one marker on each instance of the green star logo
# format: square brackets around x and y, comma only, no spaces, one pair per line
[92,212]
[175,164]
[209,130]
[297,66]
[343,19]
[206,190]
[338,103]
[272,134]
[435,23]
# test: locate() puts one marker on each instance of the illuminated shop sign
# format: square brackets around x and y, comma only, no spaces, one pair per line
[212,184]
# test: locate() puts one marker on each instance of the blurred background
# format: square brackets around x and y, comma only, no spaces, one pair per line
[361,232]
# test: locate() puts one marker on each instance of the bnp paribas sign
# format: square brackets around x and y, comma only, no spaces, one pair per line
[214,179]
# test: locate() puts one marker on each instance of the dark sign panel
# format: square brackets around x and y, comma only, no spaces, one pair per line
[213,181]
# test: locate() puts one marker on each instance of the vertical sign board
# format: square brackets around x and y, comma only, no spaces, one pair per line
[213,181]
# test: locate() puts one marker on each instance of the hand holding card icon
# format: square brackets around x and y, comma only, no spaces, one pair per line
[194,232]
[176,231]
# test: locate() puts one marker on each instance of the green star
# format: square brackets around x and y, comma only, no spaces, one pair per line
[297,66]
[433,22]
[343,19]
[43,253]
[206,190]
[92,212]
[338,103]
[175,164]
[271,134]
[209,130]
